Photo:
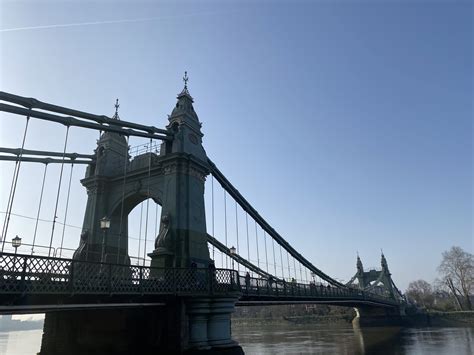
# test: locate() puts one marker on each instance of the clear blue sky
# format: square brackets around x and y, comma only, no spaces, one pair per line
[347,124]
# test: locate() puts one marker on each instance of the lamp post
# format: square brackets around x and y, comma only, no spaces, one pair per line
[104,225]
[16,243]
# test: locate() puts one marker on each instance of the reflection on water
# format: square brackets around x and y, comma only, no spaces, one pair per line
[26,342]
[313,339]
[310,339]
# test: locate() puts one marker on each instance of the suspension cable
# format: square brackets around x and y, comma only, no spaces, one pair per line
[140,232]
[237,233]
[225,228]
[212,204]
[301,272]
[125,163]
[288,261]
[256,241]
[274,258]
[156,219]
[294,266]
[147,203]
[59,191]
[266,254]
[248,243]
[65,212]
[281,258]
[39,208]
[11,197]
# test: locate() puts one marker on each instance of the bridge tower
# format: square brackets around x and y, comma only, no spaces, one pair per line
[174,179]
[115,184]
[374,279]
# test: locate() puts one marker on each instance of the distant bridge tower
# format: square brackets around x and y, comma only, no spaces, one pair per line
[374,280]
[174,179]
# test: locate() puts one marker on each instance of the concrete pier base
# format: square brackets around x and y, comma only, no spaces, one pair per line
[378,317]
[182,326]
[118,331]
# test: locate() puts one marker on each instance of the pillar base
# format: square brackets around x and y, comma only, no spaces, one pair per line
[377,317]
[200,325]
[161,258]
[210,323]
[112,332]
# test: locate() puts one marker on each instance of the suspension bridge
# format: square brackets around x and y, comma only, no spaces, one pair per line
[194,274]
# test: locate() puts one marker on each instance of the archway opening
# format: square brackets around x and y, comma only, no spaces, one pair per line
[143,227]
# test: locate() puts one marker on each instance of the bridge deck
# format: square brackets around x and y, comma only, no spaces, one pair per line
[42,283]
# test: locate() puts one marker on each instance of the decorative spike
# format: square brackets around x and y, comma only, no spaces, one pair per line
[116,116]
[185,79]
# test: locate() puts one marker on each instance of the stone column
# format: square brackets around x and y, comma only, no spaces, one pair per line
[219,323]
[197,310]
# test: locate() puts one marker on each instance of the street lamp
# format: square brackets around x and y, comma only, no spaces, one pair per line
[16,243]
[104,225]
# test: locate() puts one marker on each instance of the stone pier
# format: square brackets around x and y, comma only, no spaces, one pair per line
[182,326]
[378,316]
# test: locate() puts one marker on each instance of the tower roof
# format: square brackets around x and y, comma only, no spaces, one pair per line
[383,262]
[359,263]
[184,106]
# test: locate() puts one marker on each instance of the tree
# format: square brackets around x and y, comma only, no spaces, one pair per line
[457,273]
[421,292]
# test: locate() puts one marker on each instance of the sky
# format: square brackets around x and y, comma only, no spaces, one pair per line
[346,124]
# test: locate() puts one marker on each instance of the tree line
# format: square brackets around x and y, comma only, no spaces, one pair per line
[454,287]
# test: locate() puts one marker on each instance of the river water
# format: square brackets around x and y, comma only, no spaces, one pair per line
[310,339]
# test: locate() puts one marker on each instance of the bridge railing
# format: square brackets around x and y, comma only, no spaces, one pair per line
[33,274]
[26,274]
[251,286]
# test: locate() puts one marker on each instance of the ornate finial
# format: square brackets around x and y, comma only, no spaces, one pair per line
[185,79]
[116,116]
[185,91]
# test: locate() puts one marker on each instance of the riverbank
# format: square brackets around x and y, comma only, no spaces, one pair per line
[430,319]
[341,320]
[451,319]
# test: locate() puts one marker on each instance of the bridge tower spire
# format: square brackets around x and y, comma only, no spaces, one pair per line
[360,273]
[183,237]
[111,159]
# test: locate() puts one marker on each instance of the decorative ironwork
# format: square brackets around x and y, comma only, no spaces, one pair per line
[28,274]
